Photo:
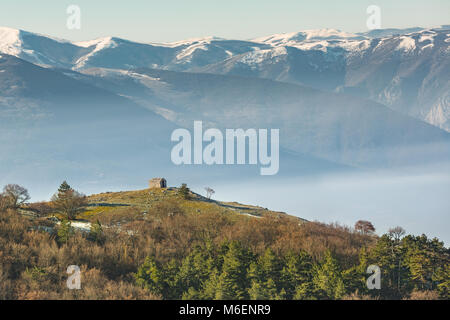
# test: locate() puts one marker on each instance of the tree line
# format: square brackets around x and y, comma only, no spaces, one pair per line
[412,265]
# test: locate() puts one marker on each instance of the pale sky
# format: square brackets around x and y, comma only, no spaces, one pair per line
[172,20]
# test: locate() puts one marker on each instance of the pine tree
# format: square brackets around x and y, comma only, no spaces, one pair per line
[210,288]
[386,255]
[196,268]
[308,291]
[442,278]
[271,266]
[65,232]
[264,290]
[423,258]
[297,270]
[265,277]
[328,277]
[151,277]
[68,202]
[173,288]
[355,277]
[184,191]
[232,282]
[64,188]
[192,294]
[96,233]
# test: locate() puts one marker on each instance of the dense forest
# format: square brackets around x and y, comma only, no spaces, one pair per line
[171,253]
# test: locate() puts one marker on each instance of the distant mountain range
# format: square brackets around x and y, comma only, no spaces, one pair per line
[404,69]
[107,107]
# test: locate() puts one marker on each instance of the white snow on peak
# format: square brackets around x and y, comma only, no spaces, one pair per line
[328,34]
[192,45]
[100,44]
[318,39]
[406,44]
[426,37]
[306,35]
[13,42]
[188,42]
[187,53]
[258,56]
[10,41]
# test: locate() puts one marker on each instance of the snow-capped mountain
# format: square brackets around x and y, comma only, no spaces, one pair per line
[318,39]
[116,53]
[39,49]
[404,69]
[406,72]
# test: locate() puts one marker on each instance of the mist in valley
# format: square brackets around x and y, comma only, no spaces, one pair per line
[416,198]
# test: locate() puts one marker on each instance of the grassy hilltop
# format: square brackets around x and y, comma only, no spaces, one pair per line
[144,201]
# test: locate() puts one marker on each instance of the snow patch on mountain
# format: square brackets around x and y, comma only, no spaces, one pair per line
[406,44]
[189,42]
[294,38]
[257,57]
[355,46]
[100,44]
[329,34]
[10,41]
[439,114]
[139,76]
[189,51]
[427,37]
[320,40]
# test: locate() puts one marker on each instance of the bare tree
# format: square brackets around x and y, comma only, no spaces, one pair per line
[364,227]
[209,192]
[15,195]
[396,233]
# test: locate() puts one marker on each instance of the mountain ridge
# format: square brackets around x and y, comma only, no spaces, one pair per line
[406,70]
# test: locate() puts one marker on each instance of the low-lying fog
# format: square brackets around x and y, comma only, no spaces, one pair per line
[418,199]
[419,202]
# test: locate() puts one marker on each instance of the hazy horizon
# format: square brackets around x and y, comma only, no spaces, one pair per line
[155,22]
[211,35]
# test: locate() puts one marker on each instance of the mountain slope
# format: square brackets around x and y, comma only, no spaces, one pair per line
[52,126]
[336,127]
[39,49]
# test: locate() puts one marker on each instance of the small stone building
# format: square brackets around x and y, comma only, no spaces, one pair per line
[158,183]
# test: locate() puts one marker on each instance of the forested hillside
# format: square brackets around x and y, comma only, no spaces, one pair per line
[175,244]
